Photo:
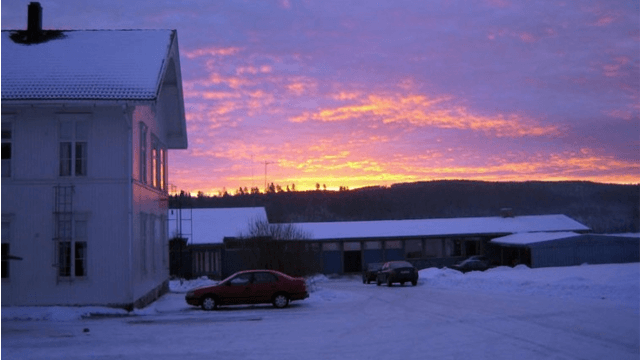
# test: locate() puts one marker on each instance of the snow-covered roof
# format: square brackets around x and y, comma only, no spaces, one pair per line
[211,226]
[86,65]
[532,238]
[630,235]
[440,227]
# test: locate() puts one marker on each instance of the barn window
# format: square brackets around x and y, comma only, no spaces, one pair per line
[413,249]
[433,248]
[351,246]
[330,246]
[393,244]
[453,247]
[372,245]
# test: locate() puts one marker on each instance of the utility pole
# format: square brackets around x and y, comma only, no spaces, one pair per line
[265,175]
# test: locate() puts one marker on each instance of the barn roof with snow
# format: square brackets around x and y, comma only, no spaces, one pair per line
[533,238]
[440,227]
[211,226]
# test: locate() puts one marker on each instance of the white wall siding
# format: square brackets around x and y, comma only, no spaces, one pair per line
[101,196]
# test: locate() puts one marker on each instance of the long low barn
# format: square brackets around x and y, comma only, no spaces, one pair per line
[345,247]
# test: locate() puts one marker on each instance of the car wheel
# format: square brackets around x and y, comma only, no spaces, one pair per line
[414,282]
[378,282]
[389,282]
[368,281]
[280,301]
[209,303]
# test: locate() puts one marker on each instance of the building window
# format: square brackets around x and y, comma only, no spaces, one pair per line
[413,249]
[6,148]
[72,247]
[153,239]
[143,242]
[73,148]
[6,248]
[163,239]
[330,246]
[351,246]
[393,244]
[372,245]
[158,164]
[453,247]
[433,247]
[143,153]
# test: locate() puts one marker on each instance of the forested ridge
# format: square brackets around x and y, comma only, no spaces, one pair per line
[605,208]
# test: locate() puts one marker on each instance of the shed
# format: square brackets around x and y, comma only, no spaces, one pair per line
[551,249]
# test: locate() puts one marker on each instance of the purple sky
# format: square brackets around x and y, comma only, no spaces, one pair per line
[357,93]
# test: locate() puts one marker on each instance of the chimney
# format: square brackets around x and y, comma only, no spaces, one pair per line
[34,21]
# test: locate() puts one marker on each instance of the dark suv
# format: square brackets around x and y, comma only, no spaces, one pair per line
[371,272]
[397,272]
[474,263]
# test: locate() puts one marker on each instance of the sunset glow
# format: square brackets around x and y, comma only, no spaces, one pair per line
[368,93]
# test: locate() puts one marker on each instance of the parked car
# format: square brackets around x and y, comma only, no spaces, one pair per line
[371,272]
[397,271]
[250,287]
[474,263]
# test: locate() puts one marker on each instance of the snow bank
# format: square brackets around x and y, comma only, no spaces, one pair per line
[58,313]
[182,286]
[616,282]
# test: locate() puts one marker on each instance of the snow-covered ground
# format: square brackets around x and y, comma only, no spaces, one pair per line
[581,312]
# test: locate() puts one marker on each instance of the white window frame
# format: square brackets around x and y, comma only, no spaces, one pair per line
[164,240]
[7,230]
[158,164]
[143,153]
[73,148]
[153,239]
[7,146]
[144,237]
[68,264]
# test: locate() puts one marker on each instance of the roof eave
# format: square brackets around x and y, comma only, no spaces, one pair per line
[75,102]
[176,136]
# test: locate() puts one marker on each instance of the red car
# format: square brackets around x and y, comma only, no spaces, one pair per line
[250,287]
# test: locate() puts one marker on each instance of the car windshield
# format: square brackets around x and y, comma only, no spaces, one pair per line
[399,264]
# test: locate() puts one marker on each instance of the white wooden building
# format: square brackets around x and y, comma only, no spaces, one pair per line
[87,119]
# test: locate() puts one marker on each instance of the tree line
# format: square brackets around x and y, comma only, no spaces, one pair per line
[605,208]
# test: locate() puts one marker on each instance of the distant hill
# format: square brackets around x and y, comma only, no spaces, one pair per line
[605,208]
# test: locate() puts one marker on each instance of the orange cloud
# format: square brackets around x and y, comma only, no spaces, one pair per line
[212,51]
[421,111]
